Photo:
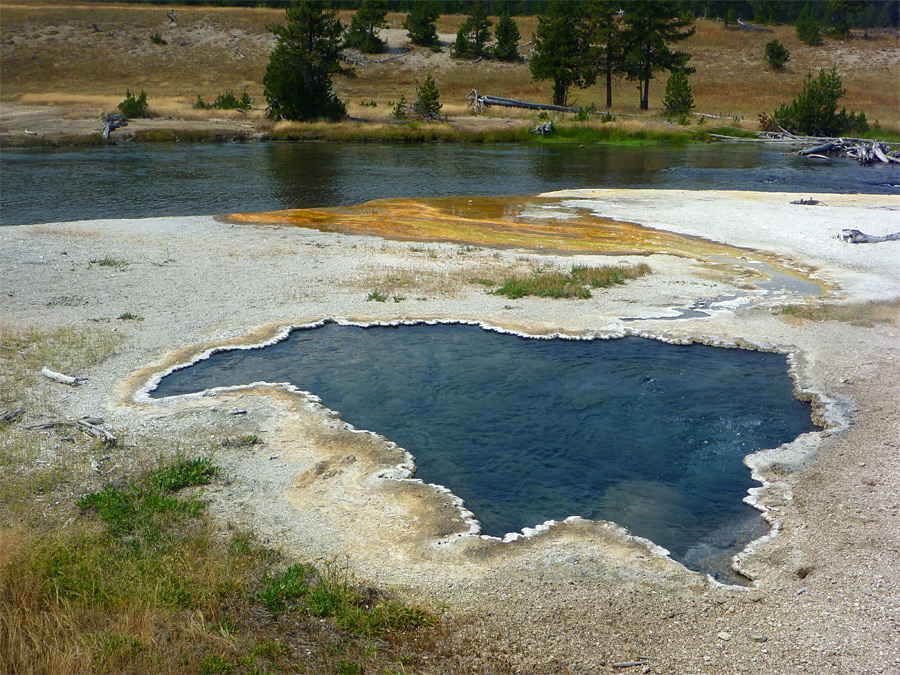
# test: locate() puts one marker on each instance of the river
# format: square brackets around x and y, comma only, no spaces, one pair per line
[145,180]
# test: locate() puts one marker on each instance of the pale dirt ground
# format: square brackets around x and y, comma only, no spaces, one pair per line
[574,597]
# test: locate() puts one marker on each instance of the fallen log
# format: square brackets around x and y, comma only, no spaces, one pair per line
[111,122]
[86,425]
[479,102]
[857,237]
[825,147]
[62,379]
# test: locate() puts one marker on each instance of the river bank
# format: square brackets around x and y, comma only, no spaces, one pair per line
[570,597]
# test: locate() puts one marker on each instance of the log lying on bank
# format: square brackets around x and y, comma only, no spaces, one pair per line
[479,102]
[62,379]
[857,237]
[87,425]
[111,122]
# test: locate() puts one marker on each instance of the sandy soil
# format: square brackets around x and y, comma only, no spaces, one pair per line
[572,597]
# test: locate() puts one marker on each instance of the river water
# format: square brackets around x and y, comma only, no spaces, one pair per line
[142,180]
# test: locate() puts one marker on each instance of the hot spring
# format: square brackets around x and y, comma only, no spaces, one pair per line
[643,433]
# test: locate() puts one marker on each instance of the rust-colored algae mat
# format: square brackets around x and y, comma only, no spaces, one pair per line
[534,223]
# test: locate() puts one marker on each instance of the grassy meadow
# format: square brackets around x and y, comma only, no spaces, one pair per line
[211,50]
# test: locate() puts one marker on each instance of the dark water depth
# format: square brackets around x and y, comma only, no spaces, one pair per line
[144,180]
[643,433]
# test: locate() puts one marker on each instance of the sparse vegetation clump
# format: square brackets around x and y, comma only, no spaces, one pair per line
[777,55]
[226,101]
[576,283]
[134,106]
[866,314]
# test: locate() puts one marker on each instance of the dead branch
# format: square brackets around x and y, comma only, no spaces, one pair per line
[62,379]
[857,237]
[86,425]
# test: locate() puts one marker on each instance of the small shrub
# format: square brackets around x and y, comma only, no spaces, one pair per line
[584,113]
[776,55]
[129,316]
[134,106]
[607,117]
[400,109]
[377,296]
[369,104]
[428,104]
[679,100]
[157,39]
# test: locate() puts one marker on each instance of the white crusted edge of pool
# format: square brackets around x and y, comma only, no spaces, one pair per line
[827,411]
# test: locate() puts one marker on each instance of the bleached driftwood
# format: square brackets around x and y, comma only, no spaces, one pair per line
[479,102]
[62,379]
[857,237]
[87,425]
[111,122]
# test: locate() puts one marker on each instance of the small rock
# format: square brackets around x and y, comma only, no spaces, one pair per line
[724,636]
[237,411]
[756,636]
[801,591]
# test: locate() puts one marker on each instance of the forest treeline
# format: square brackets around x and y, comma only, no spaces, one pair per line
[857,13]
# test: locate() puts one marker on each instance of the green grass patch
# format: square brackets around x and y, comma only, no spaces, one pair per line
[109,261]
[866,314]
[576,283]
[143,581]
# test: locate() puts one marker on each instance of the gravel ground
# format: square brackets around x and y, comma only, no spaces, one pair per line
[571,597]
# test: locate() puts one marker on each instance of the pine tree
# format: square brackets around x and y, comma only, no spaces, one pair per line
[419,23]
[297,82]
[776,55]
[842,8]
[428,104]
[649,29]
[814,111]
[562,51]
[807,27]
[474,33]
[508,36]
[679,99]
[362,31]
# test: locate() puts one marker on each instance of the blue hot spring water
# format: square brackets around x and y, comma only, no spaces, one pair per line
[646,434]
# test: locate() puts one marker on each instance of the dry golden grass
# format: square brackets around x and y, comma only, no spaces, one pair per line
[211,50]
